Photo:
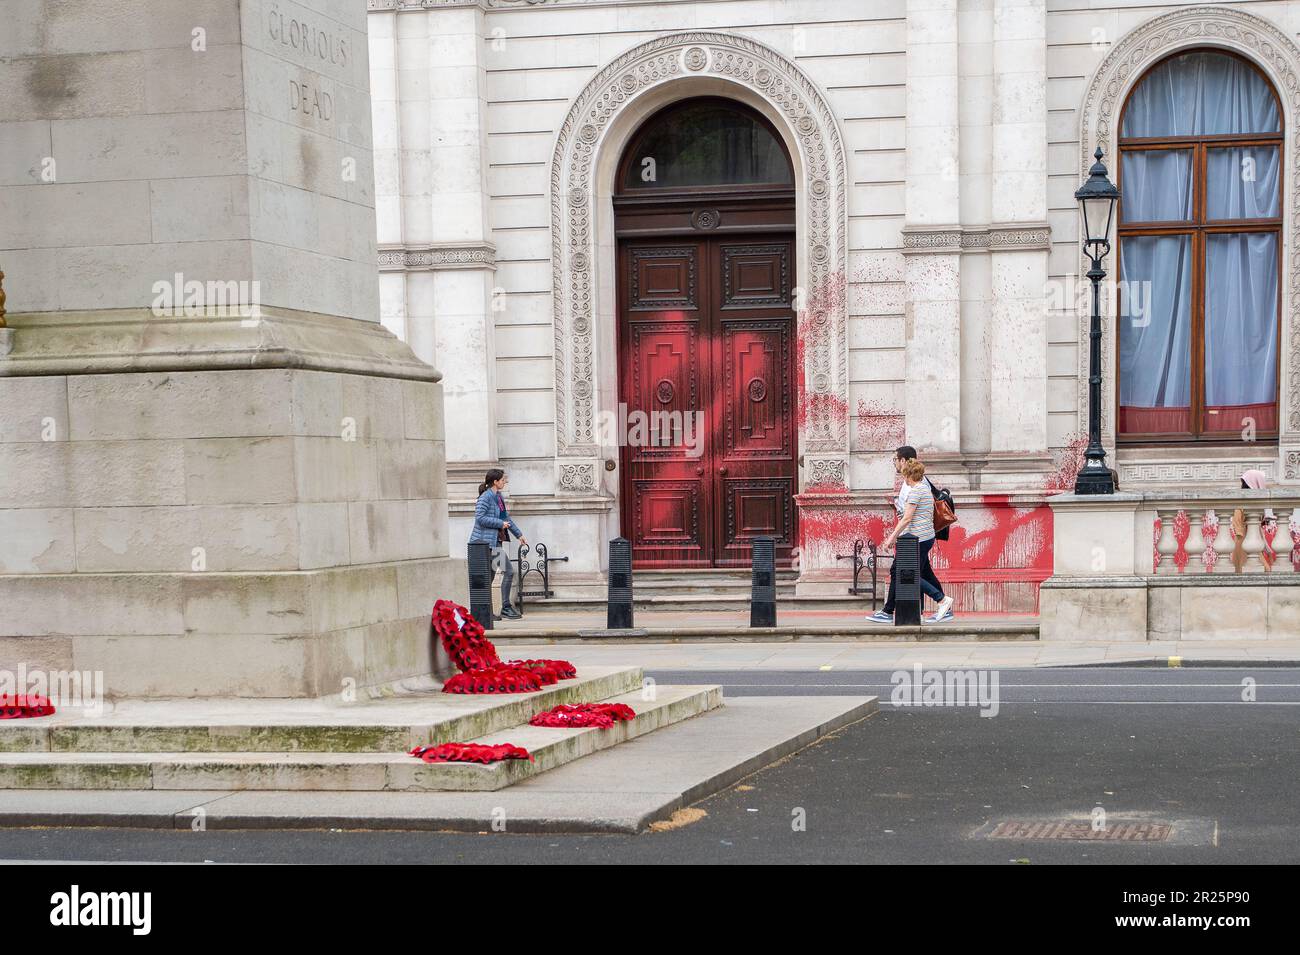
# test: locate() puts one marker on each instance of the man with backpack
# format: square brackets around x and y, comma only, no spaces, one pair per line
[943,517]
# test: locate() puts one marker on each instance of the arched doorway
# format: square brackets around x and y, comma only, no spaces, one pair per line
[704,215]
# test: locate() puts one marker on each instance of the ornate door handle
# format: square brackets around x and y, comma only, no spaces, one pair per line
[699,471]
[722,470]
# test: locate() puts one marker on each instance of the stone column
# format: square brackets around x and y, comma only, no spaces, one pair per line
[442,250]
[1018,236]
[975,23]
[220,475]
[932,234]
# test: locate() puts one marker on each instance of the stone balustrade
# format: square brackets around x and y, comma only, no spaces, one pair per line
[1159,565]
[1217,532]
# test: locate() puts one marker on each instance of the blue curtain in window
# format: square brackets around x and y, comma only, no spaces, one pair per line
[1155,324]
[1201,94]
[1240,330]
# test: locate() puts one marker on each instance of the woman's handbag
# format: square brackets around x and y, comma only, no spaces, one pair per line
[944,514]
[503,536]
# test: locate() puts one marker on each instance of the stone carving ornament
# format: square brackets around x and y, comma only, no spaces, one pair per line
[823,225]
[1272,50]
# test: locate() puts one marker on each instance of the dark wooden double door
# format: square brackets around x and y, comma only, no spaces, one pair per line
[708,350]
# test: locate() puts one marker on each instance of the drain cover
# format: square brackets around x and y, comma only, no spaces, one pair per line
[1081,830]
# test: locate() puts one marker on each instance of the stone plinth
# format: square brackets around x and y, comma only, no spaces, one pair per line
[219,474]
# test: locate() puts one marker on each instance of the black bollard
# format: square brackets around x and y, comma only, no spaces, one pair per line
[620,584]
[480,584]
[762,597]
[907,581]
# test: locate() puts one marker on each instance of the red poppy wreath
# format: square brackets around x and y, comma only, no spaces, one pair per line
[470,753]
[482,671]
[603,715]
[23,706]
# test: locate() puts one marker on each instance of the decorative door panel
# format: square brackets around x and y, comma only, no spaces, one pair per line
[757,412]
[667,521]
[665,388]
[662,278]
[756,275]
[756,507]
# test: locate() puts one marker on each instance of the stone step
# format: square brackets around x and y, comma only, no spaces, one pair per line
[386,725]
[687,602]
[389,772]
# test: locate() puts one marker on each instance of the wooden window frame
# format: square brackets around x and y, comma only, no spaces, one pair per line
[1198,227]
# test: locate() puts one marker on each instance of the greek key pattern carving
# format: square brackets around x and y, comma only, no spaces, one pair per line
[1190,472]
[1277,55]
[824,225]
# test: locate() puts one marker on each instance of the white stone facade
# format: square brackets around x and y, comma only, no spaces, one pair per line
[937,145]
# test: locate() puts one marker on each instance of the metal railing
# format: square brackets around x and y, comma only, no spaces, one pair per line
[861,563]
[541,566]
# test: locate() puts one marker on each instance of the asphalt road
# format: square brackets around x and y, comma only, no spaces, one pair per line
[913,784]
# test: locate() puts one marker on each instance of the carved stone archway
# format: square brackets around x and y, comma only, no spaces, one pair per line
[582,258]
[1277,56]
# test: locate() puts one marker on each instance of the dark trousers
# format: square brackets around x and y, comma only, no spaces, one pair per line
[930,585]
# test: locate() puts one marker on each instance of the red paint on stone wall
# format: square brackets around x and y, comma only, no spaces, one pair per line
[880,428]
[819,413]
[993,561]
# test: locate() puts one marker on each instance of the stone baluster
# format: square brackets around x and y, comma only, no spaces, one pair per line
[1195,525]
[1282,542]
[1209,527]
[1224,544]
[1254,542]
[1167,546]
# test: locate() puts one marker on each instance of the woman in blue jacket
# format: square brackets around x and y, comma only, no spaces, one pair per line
[493,526]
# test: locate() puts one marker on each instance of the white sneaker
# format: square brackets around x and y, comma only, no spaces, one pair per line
[943,611]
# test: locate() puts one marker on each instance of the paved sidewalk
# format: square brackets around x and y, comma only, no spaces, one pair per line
[810,654]
[732,625]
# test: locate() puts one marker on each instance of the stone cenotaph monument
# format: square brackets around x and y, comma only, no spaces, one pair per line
[219,474]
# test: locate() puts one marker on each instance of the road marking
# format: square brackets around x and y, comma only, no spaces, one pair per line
[1175,661]
[825,667]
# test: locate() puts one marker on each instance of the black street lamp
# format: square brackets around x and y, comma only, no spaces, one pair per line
[1096,199]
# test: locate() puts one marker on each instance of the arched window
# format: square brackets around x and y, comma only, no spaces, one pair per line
[1200,250]
[707,143]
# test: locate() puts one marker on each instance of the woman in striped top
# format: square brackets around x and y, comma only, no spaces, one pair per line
[915,516]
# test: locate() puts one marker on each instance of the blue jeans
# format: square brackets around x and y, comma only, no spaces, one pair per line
[930,585]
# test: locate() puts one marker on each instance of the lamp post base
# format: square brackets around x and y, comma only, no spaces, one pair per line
[1094,480]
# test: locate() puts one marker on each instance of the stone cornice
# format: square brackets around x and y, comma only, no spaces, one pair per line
[396,258]
[952,239]
[405,5]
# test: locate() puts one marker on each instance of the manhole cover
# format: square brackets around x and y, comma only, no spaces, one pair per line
[1082,830]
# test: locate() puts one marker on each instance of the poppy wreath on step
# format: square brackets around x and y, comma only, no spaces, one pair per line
[563,669]
[470,753]
[602,715]
[23,706]
[498,679]
[482,671]
[463,637]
